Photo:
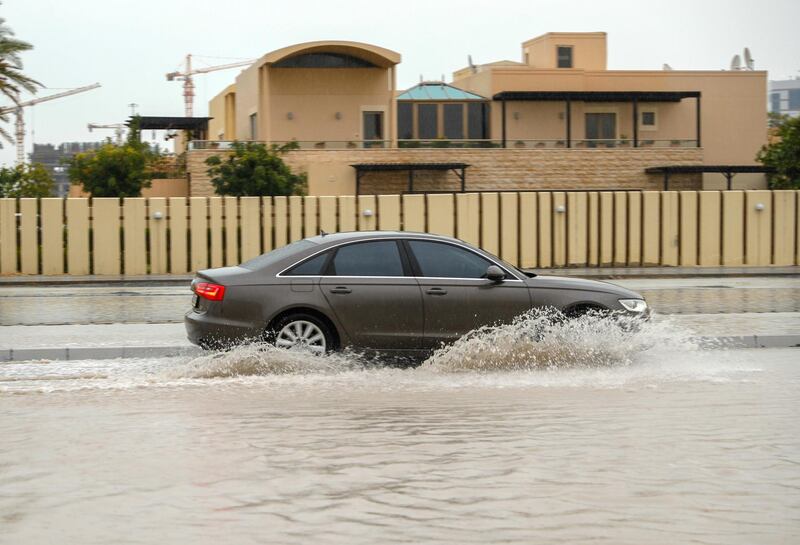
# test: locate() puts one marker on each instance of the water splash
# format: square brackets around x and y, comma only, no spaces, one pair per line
[261,359]
[545,339]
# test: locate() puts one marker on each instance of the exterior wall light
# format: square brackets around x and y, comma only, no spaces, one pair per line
[338,115]
[158,216]
[760,207]
[289,116]
[516,115]
[561,208]
[367,213]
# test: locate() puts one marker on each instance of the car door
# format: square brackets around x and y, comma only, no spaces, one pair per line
[370,288]
[456,296]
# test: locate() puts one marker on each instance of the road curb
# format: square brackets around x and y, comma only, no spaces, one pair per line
[112,352]
[96,352]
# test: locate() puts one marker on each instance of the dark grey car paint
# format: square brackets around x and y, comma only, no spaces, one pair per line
[388,313]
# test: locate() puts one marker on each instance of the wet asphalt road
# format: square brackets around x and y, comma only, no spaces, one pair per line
[102,304]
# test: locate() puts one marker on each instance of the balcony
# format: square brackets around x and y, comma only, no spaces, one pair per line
[461,144]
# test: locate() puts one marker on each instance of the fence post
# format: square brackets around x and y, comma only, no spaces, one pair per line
[784,228]
[52,220]
[178,259]
[198,233]
[134,225]
[732,228]
[688,228]
[106,235]
[441,215]
[8,236]
[758,241]
[157,221]
[29,236]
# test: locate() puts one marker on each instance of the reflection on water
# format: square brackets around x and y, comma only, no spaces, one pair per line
[659,442]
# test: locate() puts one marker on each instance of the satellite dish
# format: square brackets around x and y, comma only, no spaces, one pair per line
[748,59]
[736,63]
[665,66]
[471,64]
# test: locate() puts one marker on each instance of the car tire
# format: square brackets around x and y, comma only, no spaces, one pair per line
[306,327]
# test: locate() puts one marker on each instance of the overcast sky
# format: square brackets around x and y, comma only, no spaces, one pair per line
[128,46]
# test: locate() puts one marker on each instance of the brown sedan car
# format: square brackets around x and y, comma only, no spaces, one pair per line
[385,291]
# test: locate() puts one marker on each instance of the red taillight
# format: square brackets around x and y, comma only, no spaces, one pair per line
[207,290]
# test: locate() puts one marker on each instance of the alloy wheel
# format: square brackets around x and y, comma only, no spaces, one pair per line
[302,334]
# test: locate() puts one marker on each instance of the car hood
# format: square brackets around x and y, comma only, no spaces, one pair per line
[571,283]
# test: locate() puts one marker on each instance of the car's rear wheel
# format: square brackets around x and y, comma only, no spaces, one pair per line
[302,331]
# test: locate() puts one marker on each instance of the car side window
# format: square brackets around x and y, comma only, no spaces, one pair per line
[380,258]
[439,260]
[312,267]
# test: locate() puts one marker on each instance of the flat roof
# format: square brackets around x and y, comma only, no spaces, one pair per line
[168,123]
[407,166]
[708,169]
[598,96]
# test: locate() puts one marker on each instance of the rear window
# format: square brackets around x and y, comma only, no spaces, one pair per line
[310,267]
[270,258]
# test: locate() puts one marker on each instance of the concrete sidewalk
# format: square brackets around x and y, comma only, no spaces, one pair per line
[105,341]
[589,272]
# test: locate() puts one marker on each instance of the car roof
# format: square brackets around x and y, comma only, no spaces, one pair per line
[331,238]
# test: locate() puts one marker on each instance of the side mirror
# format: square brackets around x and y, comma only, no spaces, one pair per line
[495,273]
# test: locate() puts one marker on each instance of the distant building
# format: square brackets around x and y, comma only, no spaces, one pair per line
[53,159]
[558,118]
[784,97]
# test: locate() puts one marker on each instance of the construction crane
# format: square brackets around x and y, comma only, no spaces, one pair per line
[20,124]
[119,129]
[188,82]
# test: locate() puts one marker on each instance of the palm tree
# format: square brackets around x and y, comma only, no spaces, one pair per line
[12,80]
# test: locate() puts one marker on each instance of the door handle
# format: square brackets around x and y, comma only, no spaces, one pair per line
[436,291]
[341,289]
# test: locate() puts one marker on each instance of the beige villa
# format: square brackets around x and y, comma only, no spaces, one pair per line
[558,118]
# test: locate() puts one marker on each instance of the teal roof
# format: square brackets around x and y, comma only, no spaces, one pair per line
[437,90]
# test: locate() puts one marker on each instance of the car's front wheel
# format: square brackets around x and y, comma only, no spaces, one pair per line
[300,330]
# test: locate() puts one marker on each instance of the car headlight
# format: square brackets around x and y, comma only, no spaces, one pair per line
[634,305]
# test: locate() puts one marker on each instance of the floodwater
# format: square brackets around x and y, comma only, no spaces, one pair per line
[508,436]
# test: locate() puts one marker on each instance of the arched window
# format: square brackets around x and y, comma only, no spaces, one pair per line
[323,60]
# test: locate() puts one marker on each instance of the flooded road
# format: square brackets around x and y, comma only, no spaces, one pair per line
[658,443]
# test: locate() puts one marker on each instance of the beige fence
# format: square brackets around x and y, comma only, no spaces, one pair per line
[178,235]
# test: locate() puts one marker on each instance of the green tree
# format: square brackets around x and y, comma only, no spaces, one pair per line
[255,169]
[783,154]
[115,171]
[111,171]
[25,181]
[12,81]
[775,119]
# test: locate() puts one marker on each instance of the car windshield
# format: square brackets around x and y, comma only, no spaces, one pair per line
[274,256]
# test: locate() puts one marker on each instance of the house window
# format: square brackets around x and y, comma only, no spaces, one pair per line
[775,102]
[794,99]
[253,126]
[405,120]
[564,53]
[323,60]
[477,120]
[648,120]
[454,121]
[426,121]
